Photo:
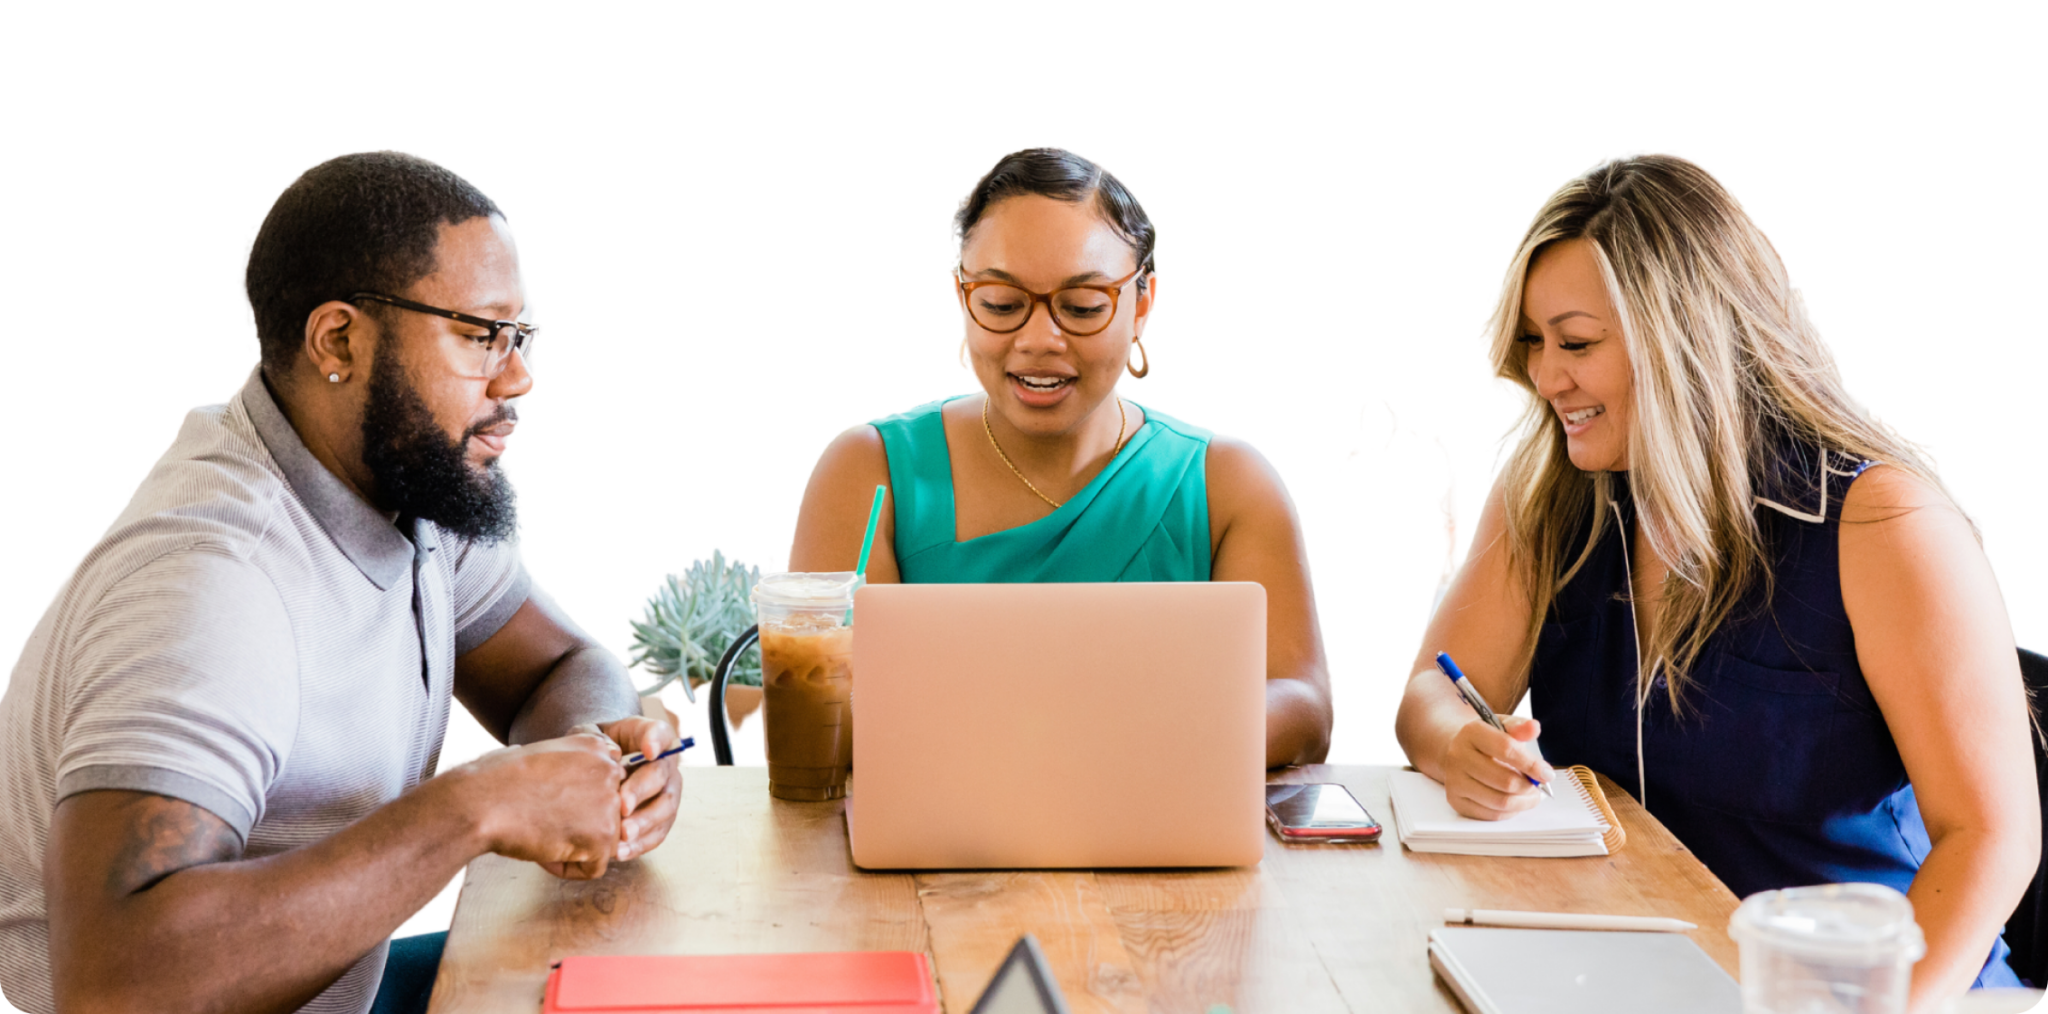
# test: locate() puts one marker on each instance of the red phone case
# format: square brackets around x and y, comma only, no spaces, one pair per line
[1330,832]
[867,982]
[1325,834]
[1320,833]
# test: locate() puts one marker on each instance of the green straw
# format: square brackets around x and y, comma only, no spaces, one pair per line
[867,545]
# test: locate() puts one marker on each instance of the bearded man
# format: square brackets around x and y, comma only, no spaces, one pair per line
[219,745]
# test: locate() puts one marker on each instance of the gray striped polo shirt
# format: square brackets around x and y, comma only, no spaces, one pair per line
[252,637]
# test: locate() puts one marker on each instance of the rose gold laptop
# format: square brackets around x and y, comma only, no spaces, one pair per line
[1058,725]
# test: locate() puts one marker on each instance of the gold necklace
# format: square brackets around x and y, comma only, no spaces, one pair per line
[1121,421]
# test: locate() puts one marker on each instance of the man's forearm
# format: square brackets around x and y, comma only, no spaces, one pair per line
[262,934]
[586,686]
[1297,723]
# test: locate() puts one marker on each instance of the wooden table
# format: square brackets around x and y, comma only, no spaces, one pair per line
[1312,928]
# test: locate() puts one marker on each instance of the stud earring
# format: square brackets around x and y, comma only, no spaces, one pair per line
[334,378]
[1141,369]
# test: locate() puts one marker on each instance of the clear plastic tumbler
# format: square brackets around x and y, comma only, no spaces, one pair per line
[1845,948]
[807,682]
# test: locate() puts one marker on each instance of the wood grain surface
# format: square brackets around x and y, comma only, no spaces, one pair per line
[1312,928]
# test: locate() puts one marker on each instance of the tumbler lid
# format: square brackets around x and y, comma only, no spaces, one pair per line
[1864,924]
[799,589]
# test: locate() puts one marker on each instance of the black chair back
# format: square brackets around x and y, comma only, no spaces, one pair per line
[721,739]
[2027,931]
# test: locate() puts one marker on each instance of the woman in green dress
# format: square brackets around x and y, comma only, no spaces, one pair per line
[1048,474]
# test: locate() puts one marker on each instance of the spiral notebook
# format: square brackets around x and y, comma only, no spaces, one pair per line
[1575,821]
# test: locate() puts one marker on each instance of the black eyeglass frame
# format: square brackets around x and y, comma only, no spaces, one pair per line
[1112,289]
[522,333]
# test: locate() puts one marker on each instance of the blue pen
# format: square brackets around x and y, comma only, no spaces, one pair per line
[636,757]
[1471,696]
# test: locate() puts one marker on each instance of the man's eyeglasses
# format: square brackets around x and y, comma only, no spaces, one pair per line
[1080,310]
[489,352]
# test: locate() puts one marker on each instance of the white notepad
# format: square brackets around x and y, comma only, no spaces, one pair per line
[1567,824]
[1525,971]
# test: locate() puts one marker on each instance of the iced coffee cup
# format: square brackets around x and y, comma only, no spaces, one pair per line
[807,682]
[1829,947]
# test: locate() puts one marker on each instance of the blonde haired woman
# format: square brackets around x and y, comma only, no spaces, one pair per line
[1726,586]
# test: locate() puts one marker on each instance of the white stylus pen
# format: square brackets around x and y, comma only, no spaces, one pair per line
[1565,920]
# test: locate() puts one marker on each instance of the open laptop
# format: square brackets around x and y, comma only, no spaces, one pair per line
[1019,726]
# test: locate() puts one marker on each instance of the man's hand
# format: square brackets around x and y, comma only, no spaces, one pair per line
[554,802]
[648,798]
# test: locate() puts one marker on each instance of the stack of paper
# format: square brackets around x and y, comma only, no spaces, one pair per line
[1568,824]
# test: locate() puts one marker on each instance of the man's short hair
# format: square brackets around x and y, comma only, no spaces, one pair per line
[359,223]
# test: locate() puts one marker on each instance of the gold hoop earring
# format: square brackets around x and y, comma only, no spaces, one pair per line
[1144,360]
[963,355]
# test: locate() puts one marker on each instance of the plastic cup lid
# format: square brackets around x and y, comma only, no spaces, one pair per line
[1868,924]
[805,589]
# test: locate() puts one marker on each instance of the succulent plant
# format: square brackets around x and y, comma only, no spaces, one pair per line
[692,620]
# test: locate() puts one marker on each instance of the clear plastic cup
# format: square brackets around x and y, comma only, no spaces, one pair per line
[807,682]
[1834,948]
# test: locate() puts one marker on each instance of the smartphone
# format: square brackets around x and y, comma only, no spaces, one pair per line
[1321,812]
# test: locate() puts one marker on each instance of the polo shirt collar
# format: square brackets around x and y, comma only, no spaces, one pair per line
[360,531]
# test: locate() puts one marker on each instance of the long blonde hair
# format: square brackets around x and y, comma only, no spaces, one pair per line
[1726,366]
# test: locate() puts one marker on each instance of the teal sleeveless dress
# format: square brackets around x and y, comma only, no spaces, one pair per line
[1144,518]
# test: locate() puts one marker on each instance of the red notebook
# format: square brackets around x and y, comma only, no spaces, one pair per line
[864,982]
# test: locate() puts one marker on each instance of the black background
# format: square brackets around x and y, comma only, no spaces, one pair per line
[695,365]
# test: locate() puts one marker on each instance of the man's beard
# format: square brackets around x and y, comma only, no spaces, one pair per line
[419,471]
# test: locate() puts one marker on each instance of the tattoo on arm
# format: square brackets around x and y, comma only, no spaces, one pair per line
[159,837]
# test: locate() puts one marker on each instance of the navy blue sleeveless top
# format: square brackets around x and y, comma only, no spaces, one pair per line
[1782,772]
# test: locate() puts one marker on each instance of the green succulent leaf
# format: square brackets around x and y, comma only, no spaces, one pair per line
[692,620]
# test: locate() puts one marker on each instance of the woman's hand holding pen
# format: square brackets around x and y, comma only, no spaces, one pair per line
[1486,771]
